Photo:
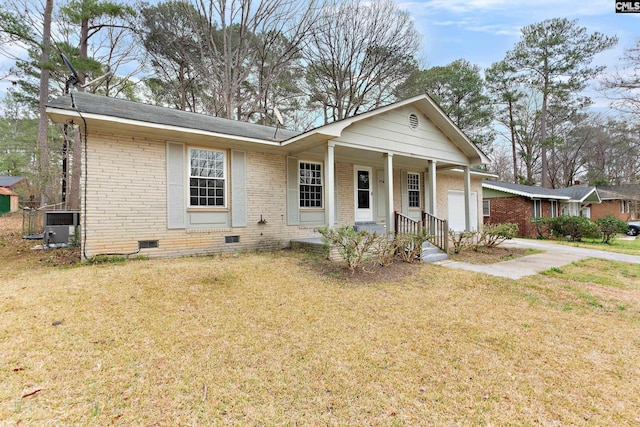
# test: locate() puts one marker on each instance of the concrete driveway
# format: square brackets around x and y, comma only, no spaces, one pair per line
[554,255]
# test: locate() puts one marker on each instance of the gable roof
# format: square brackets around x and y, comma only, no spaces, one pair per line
[580,193]
[426,105]
[530,191]
[10,181]
[576,193]
[91,104]
[86,105]
[617,192]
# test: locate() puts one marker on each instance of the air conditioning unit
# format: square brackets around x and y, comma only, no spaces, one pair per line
[61,228]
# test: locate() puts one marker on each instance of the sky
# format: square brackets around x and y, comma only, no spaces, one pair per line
[482,31]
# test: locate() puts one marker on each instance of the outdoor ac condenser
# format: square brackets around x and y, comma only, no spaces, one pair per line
[61,227]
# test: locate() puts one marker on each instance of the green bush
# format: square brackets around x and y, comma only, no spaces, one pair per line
[610,226]
[493,235]
[462,240]
[575,228]
[353,246]
[544,227]
[409,245]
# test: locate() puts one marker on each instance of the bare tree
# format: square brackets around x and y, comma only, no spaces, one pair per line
[358,52]
[245,47]
[623,85]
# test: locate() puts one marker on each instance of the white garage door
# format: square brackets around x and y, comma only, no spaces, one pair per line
[457,211]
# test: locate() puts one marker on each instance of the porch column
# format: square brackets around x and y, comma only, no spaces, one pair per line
[388,182]
[432,203]
[329,180]
[467,198]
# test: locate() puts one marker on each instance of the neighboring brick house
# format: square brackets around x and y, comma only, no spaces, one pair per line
[516,203]
[163,182]
[620,201]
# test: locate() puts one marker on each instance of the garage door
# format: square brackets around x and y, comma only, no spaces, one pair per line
[457,211]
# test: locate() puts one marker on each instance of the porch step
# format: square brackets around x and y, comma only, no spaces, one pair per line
[371,227]
[431,253]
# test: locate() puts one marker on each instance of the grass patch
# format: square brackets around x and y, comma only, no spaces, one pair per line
[281,338]
[619,245]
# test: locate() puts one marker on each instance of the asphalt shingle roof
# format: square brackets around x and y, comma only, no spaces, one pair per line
[112,107]
[529,190]
[10,181]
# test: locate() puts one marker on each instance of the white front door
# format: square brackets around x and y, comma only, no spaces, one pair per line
[363,194]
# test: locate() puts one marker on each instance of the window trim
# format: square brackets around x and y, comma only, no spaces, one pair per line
[486,213]
[321,185]
[533,208]
[553,213]
[225,178]
[417,190]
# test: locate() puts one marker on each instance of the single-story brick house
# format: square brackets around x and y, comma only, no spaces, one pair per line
[164,182]
[620,201]
[517,203]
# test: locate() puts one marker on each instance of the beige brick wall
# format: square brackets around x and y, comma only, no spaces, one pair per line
[126,196]
[127,201]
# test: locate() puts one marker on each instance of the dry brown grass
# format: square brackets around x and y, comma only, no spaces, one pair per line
[277,339]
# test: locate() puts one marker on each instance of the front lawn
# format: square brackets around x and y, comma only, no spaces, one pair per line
[622,244]
[282,338]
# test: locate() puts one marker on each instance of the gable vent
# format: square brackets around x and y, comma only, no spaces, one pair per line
[413,121]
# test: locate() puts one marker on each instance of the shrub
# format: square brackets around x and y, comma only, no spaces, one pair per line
[461,240]
[493,235]
[409,245]
[544,227]
[575,227]
[355,247]
[610,226]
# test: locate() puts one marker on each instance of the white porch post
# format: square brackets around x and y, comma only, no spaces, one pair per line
[431,205]
[388,181]
[329,190]
[467,198]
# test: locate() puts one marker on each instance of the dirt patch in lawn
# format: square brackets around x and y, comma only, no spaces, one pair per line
[490,255]
[19,252]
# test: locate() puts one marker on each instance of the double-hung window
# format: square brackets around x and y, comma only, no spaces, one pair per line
[207,177]
[486,208]
[554,208]
[413,186]
[537,208]
[310,185]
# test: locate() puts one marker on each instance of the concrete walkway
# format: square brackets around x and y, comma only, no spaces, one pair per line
[554,255]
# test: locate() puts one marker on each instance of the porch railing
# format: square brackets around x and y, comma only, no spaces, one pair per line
[406,225]
[437,229]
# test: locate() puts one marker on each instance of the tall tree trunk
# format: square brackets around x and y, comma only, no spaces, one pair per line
[76,150]
[544,166]
[514,153]
[45,182]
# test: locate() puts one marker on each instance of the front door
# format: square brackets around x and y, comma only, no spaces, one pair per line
[363,194]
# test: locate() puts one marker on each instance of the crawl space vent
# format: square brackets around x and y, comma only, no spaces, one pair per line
[231,239]
[147,244]
[413,121]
